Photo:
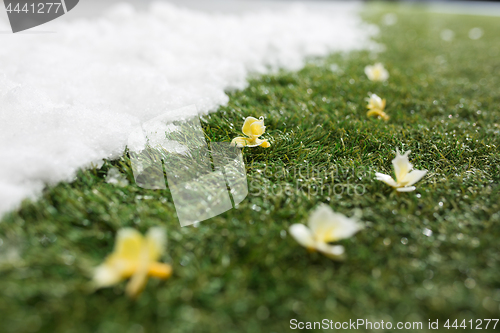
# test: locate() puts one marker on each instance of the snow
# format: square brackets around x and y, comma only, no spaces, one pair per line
[71,98]
[116,178]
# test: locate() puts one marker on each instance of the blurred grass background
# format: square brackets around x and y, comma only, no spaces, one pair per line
[241,271]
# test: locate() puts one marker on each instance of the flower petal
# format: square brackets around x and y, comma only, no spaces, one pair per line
[386,179]
[401,165]
[334,252]
[262,143]
[257,129]
[328,226]
[369,72]
[375,102]
[134,256]
[124,260]
[382,73]
[156,241]
[302,235]
[377,72]
[106,275]
[265,144]
[414,177]
[137,283]
[406,189]
[345,227]
[378,113]
[159,270]
[241,142]
[128,244]
[247,125]
[320,219]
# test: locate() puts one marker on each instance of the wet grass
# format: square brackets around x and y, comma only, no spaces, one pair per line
[241,271]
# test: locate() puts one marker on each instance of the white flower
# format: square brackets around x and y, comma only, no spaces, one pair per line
[377,72]
[376,106]
[325,226]
[405,177]
[375,102]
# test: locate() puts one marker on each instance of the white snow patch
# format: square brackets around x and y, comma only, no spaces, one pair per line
[71,98]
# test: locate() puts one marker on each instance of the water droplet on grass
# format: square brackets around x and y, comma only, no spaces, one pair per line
[428,284]
[489,304]
[447,35]
[427,232]
[68,259]
[469,283]
[256,208]
[184,261]
[476,33]
[262,313]
[404,240]
[390,19]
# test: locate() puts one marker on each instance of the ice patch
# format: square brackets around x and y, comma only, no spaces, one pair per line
[72,98]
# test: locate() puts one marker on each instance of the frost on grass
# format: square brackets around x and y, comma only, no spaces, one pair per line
[72,98]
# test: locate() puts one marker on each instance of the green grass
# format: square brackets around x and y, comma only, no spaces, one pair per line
[241,271]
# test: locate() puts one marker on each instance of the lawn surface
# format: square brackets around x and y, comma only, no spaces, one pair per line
[241,271]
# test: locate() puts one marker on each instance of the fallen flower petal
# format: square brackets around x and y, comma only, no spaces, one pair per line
[378,113]
[405,176]
[375,103]
[253,128]
[325,226]
[377,72]
[376,107]
[303,236]
[134,257]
